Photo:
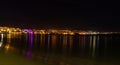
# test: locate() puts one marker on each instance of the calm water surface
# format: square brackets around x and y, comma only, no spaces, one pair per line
[53,49]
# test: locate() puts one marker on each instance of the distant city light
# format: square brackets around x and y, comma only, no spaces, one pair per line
[51,31]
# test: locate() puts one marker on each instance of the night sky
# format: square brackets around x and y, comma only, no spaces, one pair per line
[59,14]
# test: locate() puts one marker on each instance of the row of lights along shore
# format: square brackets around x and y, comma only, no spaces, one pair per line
[50,31]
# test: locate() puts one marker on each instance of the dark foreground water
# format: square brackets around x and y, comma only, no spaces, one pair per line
[52,49]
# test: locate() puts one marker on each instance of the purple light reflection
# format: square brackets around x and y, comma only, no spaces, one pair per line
[31,41]
[29,53]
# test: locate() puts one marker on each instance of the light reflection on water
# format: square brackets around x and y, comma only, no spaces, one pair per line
[1,41]
[63,49]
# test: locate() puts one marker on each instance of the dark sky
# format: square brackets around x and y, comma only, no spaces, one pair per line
[59,14]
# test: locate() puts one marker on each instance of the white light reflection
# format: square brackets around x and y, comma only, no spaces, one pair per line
[48,40]
[94,45]
[64,41]
[90,41]
[97,41]
[1,41]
